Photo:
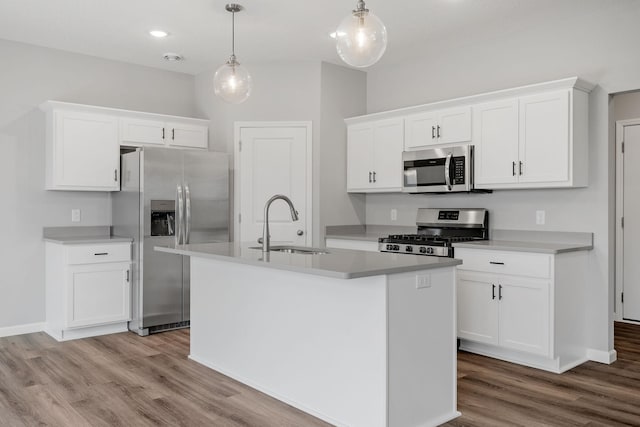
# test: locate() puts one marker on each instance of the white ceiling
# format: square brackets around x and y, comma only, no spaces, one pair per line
[273,30]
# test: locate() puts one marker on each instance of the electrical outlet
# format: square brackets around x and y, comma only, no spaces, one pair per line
[75,215]
[540,217]
[423,282]
[394,214]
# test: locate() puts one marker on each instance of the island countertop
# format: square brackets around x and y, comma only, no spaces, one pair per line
[337,263]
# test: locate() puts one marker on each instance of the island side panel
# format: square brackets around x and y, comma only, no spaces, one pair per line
[422,348]
[314,342]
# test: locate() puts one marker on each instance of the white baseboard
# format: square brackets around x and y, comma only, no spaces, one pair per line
[607,357]
[29,328]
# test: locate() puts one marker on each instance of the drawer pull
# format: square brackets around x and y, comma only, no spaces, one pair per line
[101,253]
[496,263]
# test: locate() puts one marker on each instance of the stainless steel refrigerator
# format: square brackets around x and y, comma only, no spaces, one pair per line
[166,197]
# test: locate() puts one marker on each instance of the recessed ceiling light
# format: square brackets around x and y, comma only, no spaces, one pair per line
[172,57]
[158,33]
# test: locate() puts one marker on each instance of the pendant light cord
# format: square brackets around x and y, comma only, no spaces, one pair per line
[233,34]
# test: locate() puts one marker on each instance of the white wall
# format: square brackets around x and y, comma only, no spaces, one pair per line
[29,76]
[597,43]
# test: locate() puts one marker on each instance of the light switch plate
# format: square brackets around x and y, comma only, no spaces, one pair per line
[540,217]
[394,214]
[75,215]
[423,281]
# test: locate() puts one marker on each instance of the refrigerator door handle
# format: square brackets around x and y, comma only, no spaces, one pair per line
[187,222]
[179,215]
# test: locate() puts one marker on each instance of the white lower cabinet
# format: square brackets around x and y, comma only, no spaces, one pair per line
[523,307]
[88,289]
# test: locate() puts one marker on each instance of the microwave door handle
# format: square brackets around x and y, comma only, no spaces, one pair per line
[447,172]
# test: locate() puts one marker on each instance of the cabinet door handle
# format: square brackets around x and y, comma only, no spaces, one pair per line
[374,176]
[173,134]
[513,168]
[520,168]
[438,131]
[115,175]
[499,292]
[496,263]
[127,275]
[433,132]
[493,291]
[101,253]
[162,133]
[370,177]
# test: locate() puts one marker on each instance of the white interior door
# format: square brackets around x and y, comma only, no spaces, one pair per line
[273,159]
[631,229]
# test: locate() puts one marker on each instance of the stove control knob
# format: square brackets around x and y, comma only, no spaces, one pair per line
[430,250]
[396,248]
[409,249]
[423,250]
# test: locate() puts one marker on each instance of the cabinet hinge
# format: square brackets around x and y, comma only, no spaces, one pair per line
[622,147]
[622,297]
[622,222]
[239,217]
[240,145]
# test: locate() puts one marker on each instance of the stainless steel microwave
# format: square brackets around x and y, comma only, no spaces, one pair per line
[438,170]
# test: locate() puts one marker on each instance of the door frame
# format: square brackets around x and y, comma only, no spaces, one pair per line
[308,213]
[619,254]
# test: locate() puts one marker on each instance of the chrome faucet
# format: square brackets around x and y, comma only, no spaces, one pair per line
[266,244]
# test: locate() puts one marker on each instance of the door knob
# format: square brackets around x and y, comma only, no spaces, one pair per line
[300,232]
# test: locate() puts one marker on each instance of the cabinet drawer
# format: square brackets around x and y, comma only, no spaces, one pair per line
[501,262]
[92,254]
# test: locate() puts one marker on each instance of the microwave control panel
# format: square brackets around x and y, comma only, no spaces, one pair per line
[458,170]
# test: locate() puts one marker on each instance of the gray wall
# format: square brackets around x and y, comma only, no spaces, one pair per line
[29,76]
[343,94]
[626,105]
[588,44]
[298,91]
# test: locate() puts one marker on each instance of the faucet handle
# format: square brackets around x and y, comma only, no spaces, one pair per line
[260,240]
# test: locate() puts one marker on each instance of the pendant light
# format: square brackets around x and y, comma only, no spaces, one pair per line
[232,81]
[361,38]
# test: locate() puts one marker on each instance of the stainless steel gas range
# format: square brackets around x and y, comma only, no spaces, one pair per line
[437,230]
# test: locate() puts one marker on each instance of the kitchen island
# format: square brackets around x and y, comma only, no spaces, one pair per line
[355,338]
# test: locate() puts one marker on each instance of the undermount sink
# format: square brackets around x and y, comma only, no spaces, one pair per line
[295,250]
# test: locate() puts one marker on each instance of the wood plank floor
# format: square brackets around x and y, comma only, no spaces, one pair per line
[125,380]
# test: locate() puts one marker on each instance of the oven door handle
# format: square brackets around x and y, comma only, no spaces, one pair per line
[447,171]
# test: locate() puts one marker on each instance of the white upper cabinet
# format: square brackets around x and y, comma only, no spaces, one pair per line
[141,131]
[186,133]
[374,156]
[537,141]
[495,138]
[83,142]
[544,138]
[82,151]
[437,127]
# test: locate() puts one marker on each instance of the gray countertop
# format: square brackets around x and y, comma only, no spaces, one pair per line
[517,246]
[550,242]
[80,235]
[369,233]
[81,240]
[338,263]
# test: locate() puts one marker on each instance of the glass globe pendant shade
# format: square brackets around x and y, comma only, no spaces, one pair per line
[232,82]
[361,38]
